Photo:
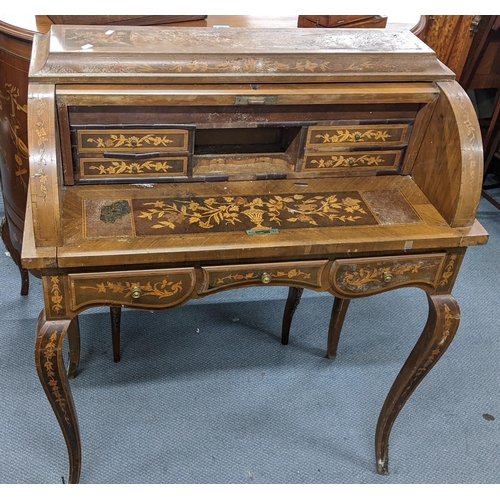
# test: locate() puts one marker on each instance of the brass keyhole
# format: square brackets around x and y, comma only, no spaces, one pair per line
[134,169]
[136,292]
[387,276]
[265,278]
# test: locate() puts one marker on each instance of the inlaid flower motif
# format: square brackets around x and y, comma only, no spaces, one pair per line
[210,212]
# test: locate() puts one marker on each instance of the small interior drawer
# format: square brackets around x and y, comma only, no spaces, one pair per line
[125,168]
[375,160]
[127,140]
[336,136]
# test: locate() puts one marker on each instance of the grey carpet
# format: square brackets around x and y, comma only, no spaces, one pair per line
[205,393]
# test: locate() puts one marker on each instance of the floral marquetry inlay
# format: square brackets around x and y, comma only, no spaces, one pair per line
[332,136]
[15,113]
[120,141]
[355,136]
[364,275]
[120,167]
[56,296]
[348,161]
[49,353]
[253,275]
[448,271]
[242,212]
[356,277]
[132,139]
[42,144]
[160,289]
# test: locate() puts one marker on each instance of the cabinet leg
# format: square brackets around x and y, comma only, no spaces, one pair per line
[115,314]
[292,302]
[53,377]
[74,347]
[16,257]
[441,326]
[339,311]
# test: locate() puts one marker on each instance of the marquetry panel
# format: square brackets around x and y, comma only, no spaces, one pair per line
[352,160]
[249,213]
[356,277]
[99,168]
[153,289]
[303,274]
[359,135]
[55,296]
[141,140]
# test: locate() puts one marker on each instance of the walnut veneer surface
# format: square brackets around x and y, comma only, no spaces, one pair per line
[167,164]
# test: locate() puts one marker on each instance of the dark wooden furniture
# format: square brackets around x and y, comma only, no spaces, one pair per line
[15,53]
[122,20]
[358,21]
[452,38]
[470,46]
[168,164]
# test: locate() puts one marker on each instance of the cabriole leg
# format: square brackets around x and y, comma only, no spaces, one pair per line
[115,314]
[25,280]
[53,377]
[292,302]
[339,311]
[74,347]
[441,326]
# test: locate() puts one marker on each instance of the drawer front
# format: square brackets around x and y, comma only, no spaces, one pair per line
[302,274]
[355,277]
[132,140]
[352,161]
[101,168]
[149,290]
[336,136]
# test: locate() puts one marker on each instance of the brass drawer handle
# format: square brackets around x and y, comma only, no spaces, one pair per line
[387,276]
[265,278]
[136,292]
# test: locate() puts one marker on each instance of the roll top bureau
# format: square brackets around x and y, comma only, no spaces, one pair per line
[168,164]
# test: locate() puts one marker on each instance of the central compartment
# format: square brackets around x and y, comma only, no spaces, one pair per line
[229,141]
[270,149]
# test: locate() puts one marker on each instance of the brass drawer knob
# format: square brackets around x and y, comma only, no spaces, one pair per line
[265,278]
[357,136]
[136,292]
[387,276]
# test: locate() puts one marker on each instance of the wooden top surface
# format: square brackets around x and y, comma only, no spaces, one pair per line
[165,54]
[209,222]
